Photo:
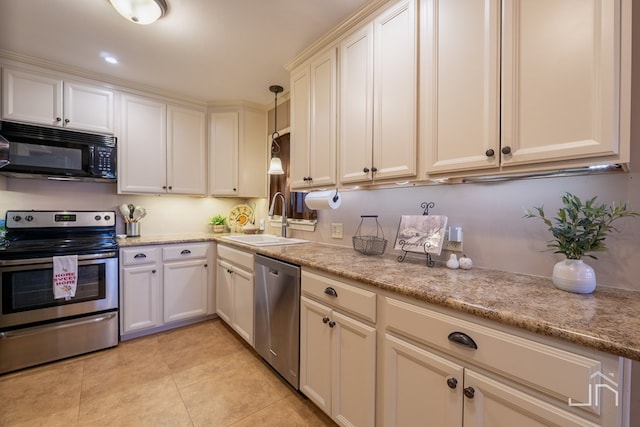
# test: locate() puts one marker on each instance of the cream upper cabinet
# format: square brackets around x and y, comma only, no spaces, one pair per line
[50,100]
[186,148]
[378,97]
[313,122]
[161,148]
[557,71]
[238,152]
[460,85]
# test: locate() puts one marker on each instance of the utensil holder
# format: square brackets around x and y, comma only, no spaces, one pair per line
[133,229]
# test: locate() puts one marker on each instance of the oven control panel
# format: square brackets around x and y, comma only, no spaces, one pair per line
[59,219]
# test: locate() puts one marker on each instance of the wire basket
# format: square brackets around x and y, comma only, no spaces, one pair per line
[369,244]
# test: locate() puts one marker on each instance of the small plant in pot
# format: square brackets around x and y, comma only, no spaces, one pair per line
[579,229]
[218,222]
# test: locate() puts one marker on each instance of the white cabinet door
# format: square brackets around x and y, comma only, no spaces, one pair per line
[490,403]
[560,80]
[420,387]
[395,92]
[46,99]
[186,151]
[356,106]
[185,289]
[88,107]
[353,371]
[242,288]
[313,150]
[315,353]
[142,146]
[223,153]
[300,127]
[140,300]
[378,98]
[460,85]
[224,291]
[32,97]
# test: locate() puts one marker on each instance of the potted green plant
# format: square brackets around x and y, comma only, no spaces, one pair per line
[578,230]
[218,222]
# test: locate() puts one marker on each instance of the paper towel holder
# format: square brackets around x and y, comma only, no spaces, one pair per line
[336,196]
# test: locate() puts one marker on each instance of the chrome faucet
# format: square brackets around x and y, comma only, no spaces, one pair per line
[284,211]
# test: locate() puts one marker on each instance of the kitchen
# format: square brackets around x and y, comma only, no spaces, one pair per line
[496,235]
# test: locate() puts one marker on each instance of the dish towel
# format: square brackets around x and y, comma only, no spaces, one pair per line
[65,276]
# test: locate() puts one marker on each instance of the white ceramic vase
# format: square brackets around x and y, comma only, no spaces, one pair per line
[574,275]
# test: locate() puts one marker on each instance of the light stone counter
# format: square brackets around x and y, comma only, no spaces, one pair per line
[607,320]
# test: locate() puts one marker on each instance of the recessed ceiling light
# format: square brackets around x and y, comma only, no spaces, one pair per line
[111,59]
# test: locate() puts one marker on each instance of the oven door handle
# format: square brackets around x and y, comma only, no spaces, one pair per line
[67,324]
[49,260]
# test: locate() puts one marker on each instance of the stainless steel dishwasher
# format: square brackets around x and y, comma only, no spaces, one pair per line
[277,316]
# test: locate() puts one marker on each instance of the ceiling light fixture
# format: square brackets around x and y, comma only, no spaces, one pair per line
[275,166]
[141,11]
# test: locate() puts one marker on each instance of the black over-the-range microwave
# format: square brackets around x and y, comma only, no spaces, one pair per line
[36,151]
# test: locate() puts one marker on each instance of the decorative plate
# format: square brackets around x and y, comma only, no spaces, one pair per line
[240,214]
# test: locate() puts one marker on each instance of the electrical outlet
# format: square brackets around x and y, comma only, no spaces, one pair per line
[448,245]
[336,230]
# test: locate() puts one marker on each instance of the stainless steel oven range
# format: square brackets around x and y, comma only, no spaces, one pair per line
[35,326]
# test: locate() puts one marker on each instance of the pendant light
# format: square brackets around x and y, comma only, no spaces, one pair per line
[142,12]
[275,166]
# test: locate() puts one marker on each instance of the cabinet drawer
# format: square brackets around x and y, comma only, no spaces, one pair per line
[188,251]
[348,297]
[556,372]
[235,256]
[139,255]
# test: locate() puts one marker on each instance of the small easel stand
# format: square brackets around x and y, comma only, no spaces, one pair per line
[427,245]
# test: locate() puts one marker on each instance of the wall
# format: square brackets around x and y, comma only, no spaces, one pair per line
[165,214]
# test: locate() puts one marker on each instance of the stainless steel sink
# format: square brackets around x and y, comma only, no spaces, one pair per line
[263,240]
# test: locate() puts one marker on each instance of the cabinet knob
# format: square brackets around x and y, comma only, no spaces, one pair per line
[506,150]
[374,169]
[332,324]
[331,291]
[164,187]
[153,271]
[452,383]
[490,152]
[365,170]
[234,190]
[229,271]
[58,119]
[66,120]
[469,392]
[325,319]
[206,265]
[170,187]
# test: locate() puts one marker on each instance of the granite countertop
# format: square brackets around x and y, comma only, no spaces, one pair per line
[606,320]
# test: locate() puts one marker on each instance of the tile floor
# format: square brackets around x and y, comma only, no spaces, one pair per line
[198,375]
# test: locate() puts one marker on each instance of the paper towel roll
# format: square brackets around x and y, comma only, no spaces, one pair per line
[323,199]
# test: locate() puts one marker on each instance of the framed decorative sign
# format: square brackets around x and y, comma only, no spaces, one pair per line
[421,233]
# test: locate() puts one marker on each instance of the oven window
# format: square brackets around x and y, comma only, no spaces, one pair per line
[24,290]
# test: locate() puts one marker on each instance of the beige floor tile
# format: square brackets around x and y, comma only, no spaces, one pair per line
[199,375]
[42,395]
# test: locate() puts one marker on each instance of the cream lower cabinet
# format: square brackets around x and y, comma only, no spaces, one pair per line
[165,286]
[433,375]
[185,281]
[338,349]
[140,289]
[234,290]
